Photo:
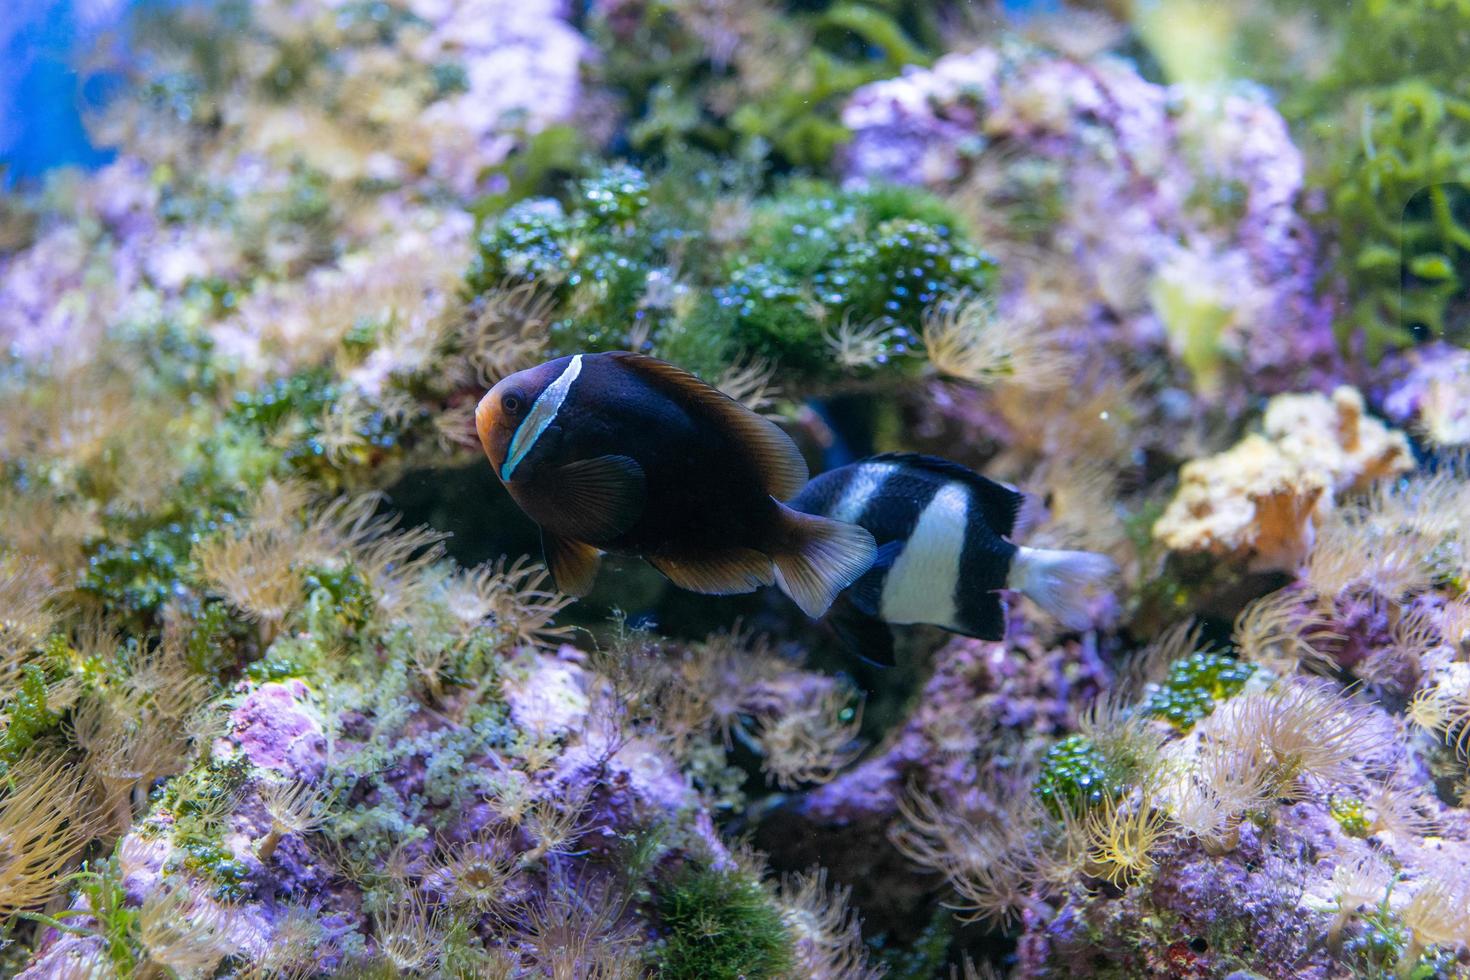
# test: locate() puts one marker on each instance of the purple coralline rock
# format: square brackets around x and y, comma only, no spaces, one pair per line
[917,128]
[1277,885]
[43,303]
[978,692]
[141,860]
[67,956]
[1367,645]
[1176,209]
[547,697]
[277,727]
[632,779]
[615,783]
[522,61]
[85,273]
[1427,389]
[1173,926]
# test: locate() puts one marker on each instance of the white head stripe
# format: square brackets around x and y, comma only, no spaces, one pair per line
[542,414]
[867,480]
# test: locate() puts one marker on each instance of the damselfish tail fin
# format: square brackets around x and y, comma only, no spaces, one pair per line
[826,557]
[1060,582]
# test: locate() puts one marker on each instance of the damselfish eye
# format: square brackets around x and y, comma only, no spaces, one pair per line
[512,402]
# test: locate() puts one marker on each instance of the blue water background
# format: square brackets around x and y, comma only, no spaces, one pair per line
[43,95]
[43,44]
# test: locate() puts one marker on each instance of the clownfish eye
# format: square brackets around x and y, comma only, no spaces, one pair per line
[512,402]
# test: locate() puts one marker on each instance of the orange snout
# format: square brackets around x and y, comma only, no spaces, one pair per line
[494,436]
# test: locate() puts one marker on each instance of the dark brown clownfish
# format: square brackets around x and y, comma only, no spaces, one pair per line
[623,453]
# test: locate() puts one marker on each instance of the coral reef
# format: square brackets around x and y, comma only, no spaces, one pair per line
[263,715]
[1430,394]
[819,280]
[752,80]
[1260,499]
[1179,206]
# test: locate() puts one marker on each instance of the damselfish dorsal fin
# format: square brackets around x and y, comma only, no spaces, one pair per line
[782,470]
[1000,504]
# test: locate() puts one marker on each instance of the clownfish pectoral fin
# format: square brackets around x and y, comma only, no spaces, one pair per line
[863,636]
[779,464]
[866,593]
[573,564]
[732,572]
[595,499]
[827,556]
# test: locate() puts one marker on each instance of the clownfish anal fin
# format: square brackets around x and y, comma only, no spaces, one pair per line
[573,564]
[731,572]
[864,636]
[866,594]
[780,465]
[595,499]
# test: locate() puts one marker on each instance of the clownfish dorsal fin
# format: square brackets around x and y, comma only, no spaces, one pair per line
[783,471]
[732,572]
[595,499]
[573,564]
[999,503]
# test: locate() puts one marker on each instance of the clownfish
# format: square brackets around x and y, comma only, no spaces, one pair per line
[623,453]
[943,557]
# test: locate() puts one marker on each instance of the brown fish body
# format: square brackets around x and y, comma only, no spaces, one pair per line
[626,454]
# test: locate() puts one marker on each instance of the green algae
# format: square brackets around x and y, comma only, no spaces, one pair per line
[1194,685]
[818,258]
[29,717]
[623,261]
[1390,129]
[1075,775]
[1350,815]
[777,94]
[721,925]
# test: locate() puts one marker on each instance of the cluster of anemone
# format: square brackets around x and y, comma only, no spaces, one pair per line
[1201,760]
[410,742]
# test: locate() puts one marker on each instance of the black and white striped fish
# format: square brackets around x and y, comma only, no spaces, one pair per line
[943,557]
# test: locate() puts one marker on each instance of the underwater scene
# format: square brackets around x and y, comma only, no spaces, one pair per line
[718,489]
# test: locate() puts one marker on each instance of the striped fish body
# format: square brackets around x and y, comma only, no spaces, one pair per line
[940,530]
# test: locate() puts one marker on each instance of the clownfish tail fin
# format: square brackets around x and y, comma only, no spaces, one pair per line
[823,557]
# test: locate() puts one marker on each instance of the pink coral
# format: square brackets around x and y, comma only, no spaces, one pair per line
[277,727]
[1145,187]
